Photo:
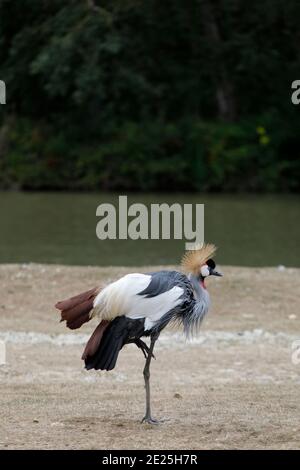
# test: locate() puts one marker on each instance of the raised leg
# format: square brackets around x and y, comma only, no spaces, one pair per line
[143,346]
[148,418]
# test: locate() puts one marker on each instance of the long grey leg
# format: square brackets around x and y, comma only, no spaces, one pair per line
[148,418]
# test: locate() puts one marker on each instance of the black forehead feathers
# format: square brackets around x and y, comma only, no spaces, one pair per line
[210,263]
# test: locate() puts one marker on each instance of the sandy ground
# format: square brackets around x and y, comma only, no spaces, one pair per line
[234,387]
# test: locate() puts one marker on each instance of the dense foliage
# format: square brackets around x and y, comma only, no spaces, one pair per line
[149,94]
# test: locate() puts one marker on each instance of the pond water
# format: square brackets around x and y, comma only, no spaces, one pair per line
[250,230]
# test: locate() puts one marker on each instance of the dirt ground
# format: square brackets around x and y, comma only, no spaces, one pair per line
[234,387]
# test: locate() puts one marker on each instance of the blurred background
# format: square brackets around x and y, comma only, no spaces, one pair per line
[174,101]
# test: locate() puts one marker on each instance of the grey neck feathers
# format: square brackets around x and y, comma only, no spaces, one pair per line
[198,289]
[193,321]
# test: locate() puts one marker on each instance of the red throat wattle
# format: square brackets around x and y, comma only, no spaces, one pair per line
[202,283]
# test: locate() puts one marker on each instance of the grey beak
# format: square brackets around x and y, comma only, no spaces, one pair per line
[215,273]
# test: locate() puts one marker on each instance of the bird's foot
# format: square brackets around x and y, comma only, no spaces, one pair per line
[153,421]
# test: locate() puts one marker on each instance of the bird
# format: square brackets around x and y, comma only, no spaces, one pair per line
[141,305]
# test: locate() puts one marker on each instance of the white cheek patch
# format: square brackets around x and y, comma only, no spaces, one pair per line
[204,270]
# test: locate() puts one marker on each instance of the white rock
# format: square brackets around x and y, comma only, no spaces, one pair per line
[281,267]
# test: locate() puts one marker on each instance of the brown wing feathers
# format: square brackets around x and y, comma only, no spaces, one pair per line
[75,311]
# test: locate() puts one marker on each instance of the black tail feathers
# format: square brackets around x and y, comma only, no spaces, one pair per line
[120,331]
[113,340]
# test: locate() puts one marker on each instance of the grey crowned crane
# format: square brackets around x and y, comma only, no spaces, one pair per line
[141,305]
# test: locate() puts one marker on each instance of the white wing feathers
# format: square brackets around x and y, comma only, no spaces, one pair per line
[121,298]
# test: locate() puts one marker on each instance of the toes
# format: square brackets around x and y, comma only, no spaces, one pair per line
[150,420]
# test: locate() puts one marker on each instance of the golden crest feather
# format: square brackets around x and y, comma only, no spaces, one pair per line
[192,260]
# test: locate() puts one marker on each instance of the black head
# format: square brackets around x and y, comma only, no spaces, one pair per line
[210,263]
